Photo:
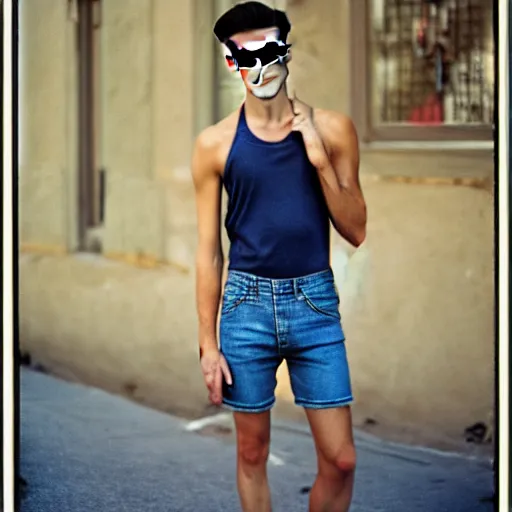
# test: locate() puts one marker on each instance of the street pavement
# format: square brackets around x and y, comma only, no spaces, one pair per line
[83,450]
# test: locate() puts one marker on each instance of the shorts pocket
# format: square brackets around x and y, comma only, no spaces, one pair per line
[323,300]
[234,296]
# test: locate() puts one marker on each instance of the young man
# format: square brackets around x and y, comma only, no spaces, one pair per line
[288,169]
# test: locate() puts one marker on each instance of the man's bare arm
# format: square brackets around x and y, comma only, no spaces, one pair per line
[340,179]
[209,256]
[332,147]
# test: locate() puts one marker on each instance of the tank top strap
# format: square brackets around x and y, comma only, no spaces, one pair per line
[242,126]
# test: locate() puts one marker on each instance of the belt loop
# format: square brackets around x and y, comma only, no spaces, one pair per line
[296,288]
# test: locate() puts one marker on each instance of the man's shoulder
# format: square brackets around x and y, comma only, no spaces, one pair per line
[333,121]
[216,135]
[337,130]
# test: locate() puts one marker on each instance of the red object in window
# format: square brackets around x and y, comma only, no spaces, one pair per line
[431,112]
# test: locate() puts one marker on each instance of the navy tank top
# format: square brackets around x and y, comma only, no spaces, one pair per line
[277,219]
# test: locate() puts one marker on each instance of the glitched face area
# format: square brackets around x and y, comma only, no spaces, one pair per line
[261,59]
[255,38]
[254,53]
[265,82]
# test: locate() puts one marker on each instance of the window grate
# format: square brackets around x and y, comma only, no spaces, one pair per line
[432,61]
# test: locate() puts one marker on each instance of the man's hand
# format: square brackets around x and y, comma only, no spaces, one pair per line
[303,123]
[215,368]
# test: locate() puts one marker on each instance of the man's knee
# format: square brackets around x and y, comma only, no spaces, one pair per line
[340,463]
[252,438]
[253,451]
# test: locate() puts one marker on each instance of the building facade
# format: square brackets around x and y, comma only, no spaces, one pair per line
[112,95]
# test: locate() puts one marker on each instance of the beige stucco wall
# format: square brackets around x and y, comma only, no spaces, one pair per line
[47,127]
[148,125]
[320,66]
[417,297]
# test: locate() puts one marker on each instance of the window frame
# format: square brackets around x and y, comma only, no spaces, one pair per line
[90,182]
[361,77]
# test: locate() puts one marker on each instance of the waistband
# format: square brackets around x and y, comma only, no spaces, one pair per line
[279,285]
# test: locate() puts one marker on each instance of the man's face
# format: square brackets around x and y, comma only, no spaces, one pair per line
[261,59]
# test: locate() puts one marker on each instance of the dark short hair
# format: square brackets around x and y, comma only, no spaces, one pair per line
[251,16]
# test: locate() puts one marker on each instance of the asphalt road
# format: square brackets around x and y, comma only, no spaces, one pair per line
[83,450]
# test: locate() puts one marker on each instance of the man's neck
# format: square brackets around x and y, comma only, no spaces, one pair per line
[269,111]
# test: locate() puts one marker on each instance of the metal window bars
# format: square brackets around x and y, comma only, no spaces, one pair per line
[432,61]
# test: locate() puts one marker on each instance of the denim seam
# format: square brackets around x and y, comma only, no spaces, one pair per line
[262,406]
[321,311]
[319,403]
[234,306]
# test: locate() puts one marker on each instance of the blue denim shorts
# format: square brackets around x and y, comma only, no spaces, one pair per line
[264,321]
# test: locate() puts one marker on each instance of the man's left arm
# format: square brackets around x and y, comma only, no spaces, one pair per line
[332,147]
[339,177]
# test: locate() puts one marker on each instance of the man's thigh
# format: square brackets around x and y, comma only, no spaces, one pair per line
[248,342]
[316,354]
[319,375]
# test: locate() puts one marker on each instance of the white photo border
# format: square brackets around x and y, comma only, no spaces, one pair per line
[8,281]
[503,258]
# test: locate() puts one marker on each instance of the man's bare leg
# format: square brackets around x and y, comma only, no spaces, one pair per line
[332,432]
[253,443]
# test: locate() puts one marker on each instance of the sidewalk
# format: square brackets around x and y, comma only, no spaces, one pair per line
[83,450]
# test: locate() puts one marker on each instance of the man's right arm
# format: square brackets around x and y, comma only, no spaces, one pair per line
[209,256]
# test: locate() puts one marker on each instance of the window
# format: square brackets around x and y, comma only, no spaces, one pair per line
[423,69]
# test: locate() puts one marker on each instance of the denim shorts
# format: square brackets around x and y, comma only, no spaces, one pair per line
[264,321]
